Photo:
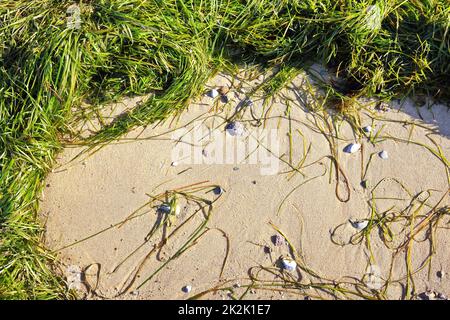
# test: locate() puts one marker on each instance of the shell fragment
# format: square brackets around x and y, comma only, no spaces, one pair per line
[213,93]
[235,128]
[383,155]
[288,264]
[186,289]
[352,148]
[367,129]
[359,224]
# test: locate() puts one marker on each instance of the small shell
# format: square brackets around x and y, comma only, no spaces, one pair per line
[288,264]
[186,289]
[235,128]
[217,190]
[165,208]
[364,184]
[174,164]
[359,224]
[213,93]
[224,99]
[367,129]
[432,295]
[352,148]
[383,155]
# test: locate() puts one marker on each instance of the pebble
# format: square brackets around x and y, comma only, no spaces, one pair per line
[277,240]
[383,155]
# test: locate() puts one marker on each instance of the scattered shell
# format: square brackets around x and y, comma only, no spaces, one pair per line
[288,264]
[204,152]
[235,128]
[174,164]
[217,190]
[165,208]
[223,90]
[186,289]
[364,184]
[224,99]
[359,224]
[440,274]
[134,293]
[277,240]
[352,148]
[213,93]
[367,129]
[383,155]
[432,295]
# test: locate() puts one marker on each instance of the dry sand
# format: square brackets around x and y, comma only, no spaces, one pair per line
[90,194]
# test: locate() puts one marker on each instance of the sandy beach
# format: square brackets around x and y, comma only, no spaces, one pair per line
[280,165]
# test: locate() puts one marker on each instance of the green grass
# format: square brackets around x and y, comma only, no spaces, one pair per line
[170,48]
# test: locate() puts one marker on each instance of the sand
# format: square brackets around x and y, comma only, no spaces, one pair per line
[89,194]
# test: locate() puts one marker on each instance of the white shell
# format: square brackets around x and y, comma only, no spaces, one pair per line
[352,148]
[383,155]
[359,224]
[288,264]
[174,164]
[187,289]
[213,93]
[367,129]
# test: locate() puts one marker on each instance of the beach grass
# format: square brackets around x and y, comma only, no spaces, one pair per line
[169,49]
